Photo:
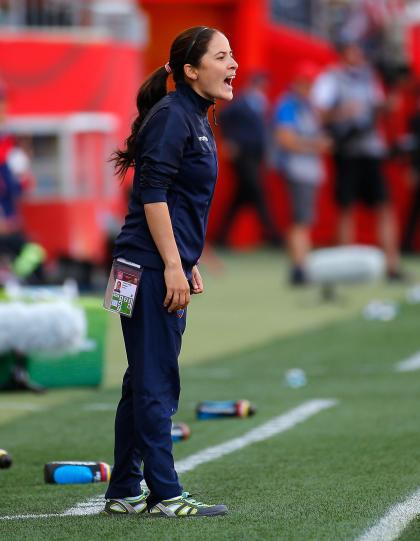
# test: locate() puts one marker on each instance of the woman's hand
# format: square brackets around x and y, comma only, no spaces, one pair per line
[177,289]
[197,281]
[160,226]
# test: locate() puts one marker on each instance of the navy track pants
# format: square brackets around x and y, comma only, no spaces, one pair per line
[150,393]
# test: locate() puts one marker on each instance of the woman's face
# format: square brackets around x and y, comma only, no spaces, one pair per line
[213,78]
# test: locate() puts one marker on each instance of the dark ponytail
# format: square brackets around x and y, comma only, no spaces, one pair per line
[151,91]
[187,48]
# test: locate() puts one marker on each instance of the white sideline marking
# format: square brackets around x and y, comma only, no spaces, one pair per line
[14,517]
[391,525]
[409,365]
[271,428]
[267,430]
[91,507]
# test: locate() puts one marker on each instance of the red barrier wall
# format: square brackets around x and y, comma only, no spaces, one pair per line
[56,74]
[49,75]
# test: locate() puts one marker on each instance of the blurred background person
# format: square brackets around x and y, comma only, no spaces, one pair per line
[377,26]
[11,188]
[299,143]
[17,255]
[244,129]
[411,225]
[350,99]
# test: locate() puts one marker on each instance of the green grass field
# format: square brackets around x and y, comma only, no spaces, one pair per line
[329,478]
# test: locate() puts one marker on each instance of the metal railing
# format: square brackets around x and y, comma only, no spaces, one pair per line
[314,16]
[326,17]
[121,19]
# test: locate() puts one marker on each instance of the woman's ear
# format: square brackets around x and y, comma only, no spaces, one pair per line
[190,72]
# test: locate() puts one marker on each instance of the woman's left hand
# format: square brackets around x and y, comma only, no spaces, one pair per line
[197,281]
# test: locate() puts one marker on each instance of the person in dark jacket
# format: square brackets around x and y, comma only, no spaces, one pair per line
[172,148]
[244,127]
[413,215]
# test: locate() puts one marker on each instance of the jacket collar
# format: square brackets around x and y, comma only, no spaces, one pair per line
[199,103]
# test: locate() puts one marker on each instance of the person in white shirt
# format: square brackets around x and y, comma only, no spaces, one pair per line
[350,99]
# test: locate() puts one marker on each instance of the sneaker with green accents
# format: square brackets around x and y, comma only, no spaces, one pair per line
[186,506]
[127,506]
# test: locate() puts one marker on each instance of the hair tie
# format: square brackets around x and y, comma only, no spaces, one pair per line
[168,68]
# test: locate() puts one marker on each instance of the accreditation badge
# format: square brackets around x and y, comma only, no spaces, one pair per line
[123,284]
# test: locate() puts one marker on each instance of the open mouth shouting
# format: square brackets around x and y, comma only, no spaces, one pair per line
[228,81]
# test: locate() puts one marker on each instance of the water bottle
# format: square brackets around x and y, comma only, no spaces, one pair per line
[68,473]
[5,459]
[295,378]
[180,431]
[212,409]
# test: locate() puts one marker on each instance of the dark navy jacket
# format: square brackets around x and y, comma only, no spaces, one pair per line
[175,162]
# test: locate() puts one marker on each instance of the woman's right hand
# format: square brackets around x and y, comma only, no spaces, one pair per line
[177,289]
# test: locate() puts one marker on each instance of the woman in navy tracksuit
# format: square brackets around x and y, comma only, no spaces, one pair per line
[173,149]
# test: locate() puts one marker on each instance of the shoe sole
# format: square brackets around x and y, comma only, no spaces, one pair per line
[105,514]
[153,516]
[218,513]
